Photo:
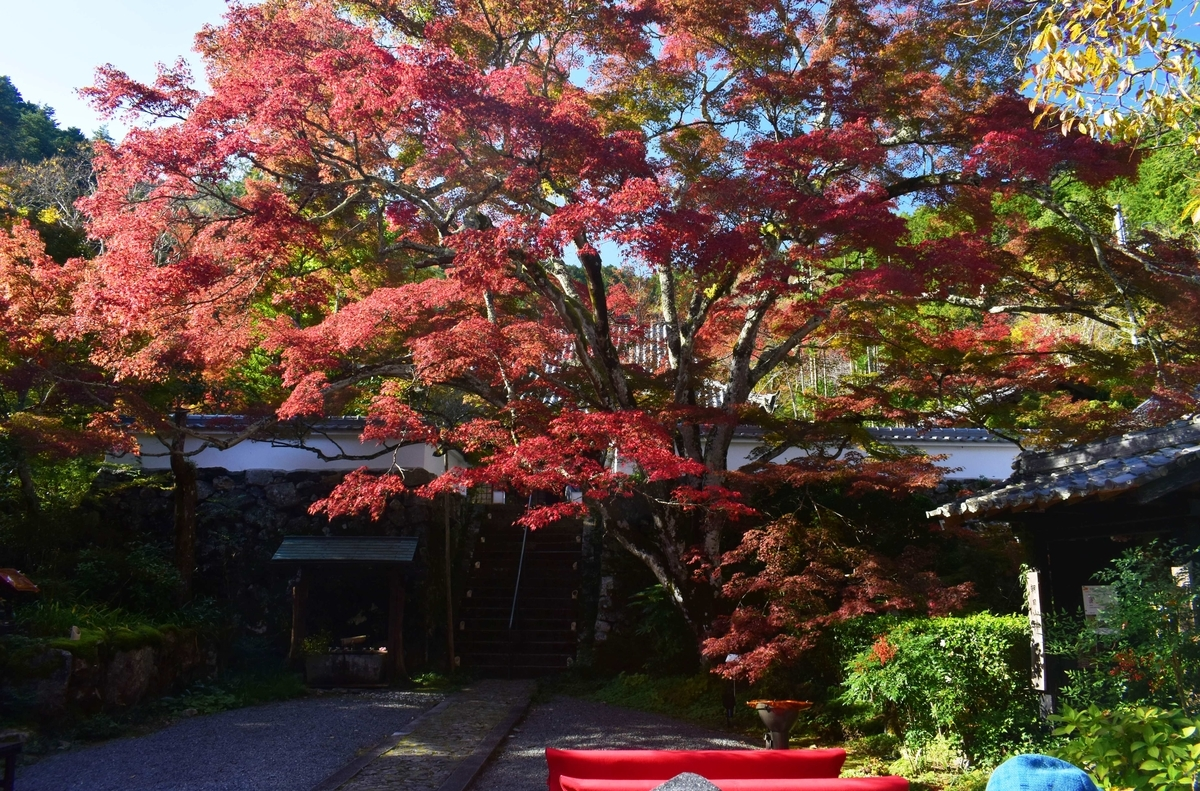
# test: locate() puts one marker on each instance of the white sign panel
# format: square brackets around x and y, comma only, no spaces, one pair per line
[1098,599]
[1037,642]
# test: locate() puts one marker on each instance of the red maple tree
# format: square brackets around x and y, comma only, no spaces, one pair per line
[574,238]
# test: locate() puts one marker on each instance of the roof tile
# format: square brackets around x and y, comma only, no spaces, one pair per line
[1111,465]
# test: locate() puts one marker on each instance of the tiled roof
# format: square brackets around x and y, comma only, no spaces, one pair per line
[236,423]
[902,434]
[346,549]
[1107,466]
[355,424]
[910,435]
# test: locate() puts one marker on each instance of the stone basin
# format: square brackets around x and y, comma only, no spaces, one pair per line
[358,669]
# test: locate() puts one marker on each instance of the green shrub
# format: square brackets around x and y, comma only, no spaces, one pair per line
[137,577]
[695,698]
[879,745]
[672,645]
[317,644]
[102,630]
[1132,746]
[958,681]
[1145,648]
[54,619]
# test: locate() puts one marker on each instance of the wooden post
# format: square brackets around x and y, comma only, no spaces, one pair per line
[1037,644]
[299,613]
[449,586]
[395,647]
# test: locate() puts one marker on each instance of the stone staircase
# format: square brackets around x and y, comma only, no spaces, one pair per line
[542,637]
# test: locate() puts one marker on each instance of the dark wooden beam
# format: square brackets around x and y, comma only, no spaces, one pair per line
[395,645]
[299,614]
[1173,481]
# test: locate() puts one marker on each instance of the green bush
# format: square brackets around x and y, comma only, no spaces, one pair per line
[101,629]
[696,698]
[961,681]
[1132,746]
[1145,648]
[137,577]
[672,645]
[55,618]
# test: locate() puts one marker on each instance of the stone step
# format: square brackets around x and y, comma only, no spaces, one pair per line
[447,746]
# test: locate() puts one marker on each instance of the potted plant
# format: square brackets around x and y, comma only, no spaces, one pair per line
[779,716]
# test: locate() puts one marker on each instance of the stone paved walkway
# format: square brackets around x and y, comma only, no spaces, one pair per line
[285,746]
[573,724]
[447,746]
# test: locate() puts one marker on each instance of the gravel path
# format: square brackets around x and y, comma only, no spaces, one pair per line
[569,723]
[288,746]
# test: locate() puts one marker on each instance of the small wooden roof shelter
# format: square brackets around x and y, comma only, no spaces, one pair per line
[308,552]
[321,550]
[1076,508]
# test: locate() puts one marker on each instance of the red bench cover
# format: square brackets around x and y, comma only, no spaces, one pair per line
[761,784]
[664,764]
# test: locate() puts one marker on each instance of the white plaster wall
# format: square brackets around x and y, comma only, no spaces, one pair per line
[255,455]
[991,461]
[965,460]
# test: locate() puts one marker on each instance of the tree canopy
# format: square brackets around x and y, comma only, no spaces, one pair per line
[43,170]
[574,240]
[28,132]
[1118,70]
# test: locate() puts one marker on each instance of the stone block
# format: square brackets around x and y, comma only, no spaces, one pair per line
[129,676]
[260,477]
[53,669]
[344,669]
[282,495]
[86,680]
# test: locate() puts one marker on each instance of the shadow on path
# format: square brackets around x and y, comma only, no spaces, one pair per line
[572,724]
[287,746]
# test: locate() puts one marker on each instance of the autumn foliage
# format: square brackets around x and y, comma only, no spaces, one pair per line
[572,240]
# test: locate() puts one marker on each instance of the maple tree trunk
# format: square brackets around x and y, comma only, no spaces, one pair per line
[662,550]
[185,516]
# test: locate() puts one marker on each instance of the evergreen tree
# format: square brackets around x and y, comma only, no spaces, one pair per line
[28,132]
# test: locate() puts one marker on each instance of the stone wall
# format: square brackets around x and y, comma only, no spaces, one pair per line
[54,678]
[242,518]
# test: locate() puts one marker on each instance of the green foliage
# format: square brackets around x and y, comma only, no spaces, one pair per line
[47,542]
[60,484]
[138,577]
[937,755]
[1142,747]
[238,691]
[317,644]
[957,681]
[672,646]
[694,698]
[1144,649]
[102,630]
[28,132]
[55,618]
[1161,192]
[433,681]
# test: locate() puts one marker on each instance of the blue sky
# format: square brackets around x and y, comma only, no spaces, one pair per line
[51,48]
